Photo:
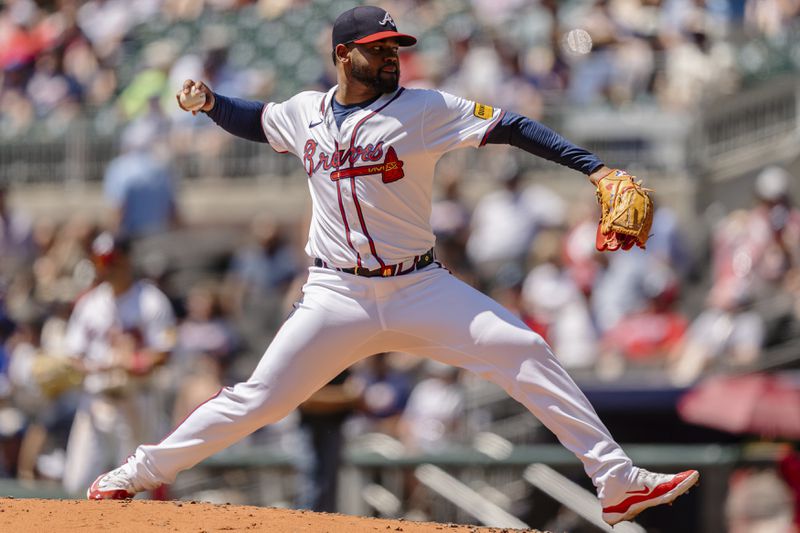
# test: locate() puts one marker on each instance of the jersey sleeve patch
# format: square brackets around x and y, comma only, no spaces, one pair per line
[483,111]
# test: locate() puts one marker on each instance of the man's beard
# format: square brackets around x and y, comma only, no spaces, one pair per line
[386,82]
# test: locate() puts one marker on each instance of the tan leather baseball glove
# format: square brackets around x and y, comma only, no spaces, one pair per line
[54,375]
[626,212]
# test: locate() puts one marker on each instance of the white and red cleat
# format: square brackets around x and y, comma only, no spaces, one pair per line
[649,490]
[114,485]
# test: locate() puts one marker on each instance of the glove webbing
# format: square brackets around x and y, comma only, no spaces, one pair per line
[624,200]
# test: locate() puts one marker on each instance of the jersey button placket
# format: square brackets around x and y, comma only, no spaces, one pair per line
[343,186]
[350,188]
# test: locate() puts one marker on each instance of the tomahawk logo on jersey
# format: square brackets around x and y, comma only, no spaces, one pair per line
[390,170]
[363,173]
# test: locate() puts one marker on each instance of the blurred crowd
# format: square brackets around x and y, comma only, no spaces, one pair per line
[617,313]
[109,59]
[173,335]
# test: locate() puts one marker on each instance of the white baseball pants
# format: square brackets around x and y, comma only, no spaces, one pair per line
[343,318]
[103,433]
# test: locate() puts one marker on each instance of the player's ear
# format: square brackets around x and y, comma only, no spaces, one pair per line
[341,53]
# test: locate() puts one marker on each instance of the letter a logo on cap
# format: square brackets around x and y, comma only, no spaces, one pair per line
[387,19]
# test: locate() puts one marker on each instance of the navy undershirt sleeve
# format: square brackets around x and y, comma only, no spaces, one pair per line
[239,117]
[541,141]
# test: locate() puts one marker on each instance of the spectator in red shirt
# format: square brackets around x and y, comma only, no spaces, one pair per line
[648,336]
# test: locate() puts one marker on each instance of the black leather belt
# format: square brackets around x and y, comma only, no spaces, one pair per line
[420,261]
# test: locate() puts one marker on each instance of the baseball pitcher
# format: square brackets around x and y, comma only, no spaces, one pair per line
[369,149]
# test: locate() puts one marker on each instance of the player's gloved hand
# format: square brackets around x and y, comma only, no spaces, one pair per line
[55,374]
[195,96]
[626,212]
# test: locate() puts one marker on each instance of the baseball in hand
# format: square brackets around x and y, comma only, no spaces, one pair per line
[193,101]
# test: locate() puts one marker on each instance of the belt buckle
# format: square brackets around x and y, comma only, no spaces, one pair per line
[387,271]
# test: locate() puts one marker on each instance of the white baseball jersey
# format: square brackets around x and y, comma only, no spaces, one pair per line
[107,425]
[371,180]
[142,310]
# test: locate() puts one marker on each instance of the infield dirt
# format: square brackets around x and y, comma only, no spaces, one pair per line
[46,516]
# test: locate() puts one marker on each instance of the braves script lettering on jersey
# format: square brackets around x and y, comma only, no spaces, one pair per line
[371,176]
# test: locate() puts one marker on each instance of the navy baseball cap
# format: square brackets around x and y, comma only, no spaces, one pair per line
[366,24]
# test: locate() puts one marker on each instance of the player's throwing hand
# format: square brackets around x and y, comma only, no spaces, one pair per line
[195,96]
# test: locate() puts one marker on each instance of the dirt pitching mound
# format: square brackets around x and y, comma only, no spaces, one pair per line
[21,515]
